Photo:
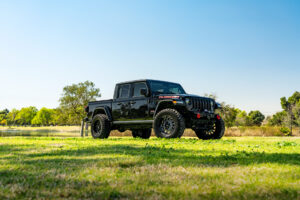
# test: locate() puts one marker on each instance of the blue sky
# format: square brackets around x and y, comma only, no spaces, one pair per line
[246,52]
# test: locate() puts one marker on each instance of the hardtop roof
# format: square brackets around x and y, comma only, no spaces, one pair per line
[143,80]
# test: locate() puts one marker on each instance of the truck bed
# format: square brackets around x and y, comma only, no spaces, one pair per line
[94,104]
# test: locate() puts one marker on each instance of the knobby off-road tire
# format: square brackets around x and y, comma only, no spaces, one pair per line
[169,123]
[142,133]
[216,133]
[100,126]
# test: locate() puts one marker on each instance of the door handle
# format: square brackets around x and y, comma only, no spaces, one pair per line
[132,102]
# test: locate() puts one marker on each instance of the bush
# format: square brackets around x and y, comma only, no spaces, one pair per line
[286,131]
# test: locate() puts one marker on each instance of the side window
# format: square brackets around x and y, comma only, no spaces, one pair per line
[124,91]
[137,88]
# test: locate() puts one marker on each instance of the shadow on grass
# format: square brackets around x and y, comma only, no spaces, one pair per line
[155,155]
[37,185]
[40,173]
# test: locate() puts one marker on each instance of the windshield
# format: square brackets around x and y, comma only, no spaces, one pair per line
[159,87]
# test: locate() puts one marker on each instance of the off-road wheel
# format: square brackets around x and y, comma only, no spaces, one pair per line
[216,132]
[169,123]
[100,126]
[142,133]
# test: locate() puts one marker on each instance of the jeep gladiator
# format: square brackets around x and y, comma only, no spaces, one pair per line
[164,106]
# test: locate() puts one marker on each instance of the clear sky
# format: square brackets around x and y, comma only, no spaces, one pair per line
[246,52]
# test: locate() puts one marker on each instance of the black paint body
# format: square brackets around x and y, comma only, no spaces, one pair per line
[131,109]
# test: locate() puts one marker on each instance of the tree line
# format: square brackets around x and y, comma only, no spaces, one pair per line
[76,96]
[289,116]
[70,111]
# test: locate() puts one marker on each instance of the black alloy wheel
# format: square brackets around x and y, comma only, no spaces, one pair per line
[100,126]
[216,132]
[169,123]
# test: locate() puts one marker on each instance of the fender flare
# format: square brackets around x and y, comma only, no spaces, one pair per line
[106,110]
[168,101]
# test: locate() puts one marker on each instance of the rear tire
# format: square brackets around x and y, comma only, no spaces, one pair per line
[169,123]
[216,133]
[142,133]
[100,126]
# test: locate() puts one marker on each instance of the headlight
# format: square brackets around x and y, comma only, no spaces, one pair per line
[187,101]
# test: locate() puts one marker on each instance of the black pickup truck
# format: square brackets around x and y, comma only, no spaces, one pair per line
[142,105]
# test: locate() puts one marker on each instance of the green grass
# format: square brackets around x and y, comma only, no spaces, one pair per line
[75,131]
[127,168]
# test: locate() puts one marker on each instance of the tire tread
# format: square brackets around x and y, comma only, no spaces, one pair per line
[105,130]
[180,123]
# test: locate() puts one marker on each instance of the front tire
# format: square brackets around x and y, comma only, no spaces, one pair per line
[142,133]
[216,133]
[100,126]
[169,123]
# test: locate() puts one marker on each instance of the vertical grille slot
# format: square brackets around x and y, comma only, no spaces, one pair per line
[200,104]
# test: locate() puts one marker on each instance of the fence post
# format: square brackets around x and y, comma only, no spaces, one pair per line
[86,129]
[82,127]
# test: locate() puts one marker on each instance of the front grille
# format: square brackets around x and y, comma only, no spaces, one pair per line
[201,104]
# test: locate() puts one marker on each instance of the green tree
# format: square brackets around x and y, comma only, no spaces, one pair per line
[296,112]
[291,101]
[25,116]
[278,119]
[43,117]
[75,97]
[3,116]
[12,117]
[229,114]
[4,112]
[291,106]
[59,117]
[242,119]
[256,118]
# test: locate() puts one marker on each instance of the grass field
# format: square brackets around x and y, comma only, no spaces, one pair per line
[75,131]
[127,168]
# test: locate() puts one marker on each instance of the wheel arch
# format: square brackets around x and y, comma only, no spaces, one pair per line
[168,104]
[103,110]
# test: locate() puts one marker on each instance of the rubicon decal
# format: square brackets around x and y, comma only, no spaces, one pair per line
[169,97]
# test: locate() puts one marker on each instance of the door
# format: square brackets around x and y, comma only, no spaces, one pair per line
[139,103]
[121,105]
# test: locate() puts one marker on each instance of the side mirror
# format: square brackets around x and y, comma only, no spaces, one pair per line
[144,92]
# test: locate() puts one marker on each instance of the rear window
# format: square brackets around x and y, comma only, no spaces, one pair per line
[124,91]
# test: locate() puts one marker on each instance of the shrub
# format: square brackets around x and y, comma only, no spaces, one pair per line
[286,131]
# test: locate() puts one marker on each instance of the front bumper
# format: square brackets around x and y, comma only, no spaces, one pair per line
[202,120]
[204,115]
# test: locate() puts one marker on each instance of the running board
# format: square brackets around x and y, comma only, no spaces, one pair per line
[134,122]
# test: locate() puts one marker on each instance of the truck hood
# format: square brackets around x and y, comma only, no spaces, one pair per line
[180,96]
[185,96]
